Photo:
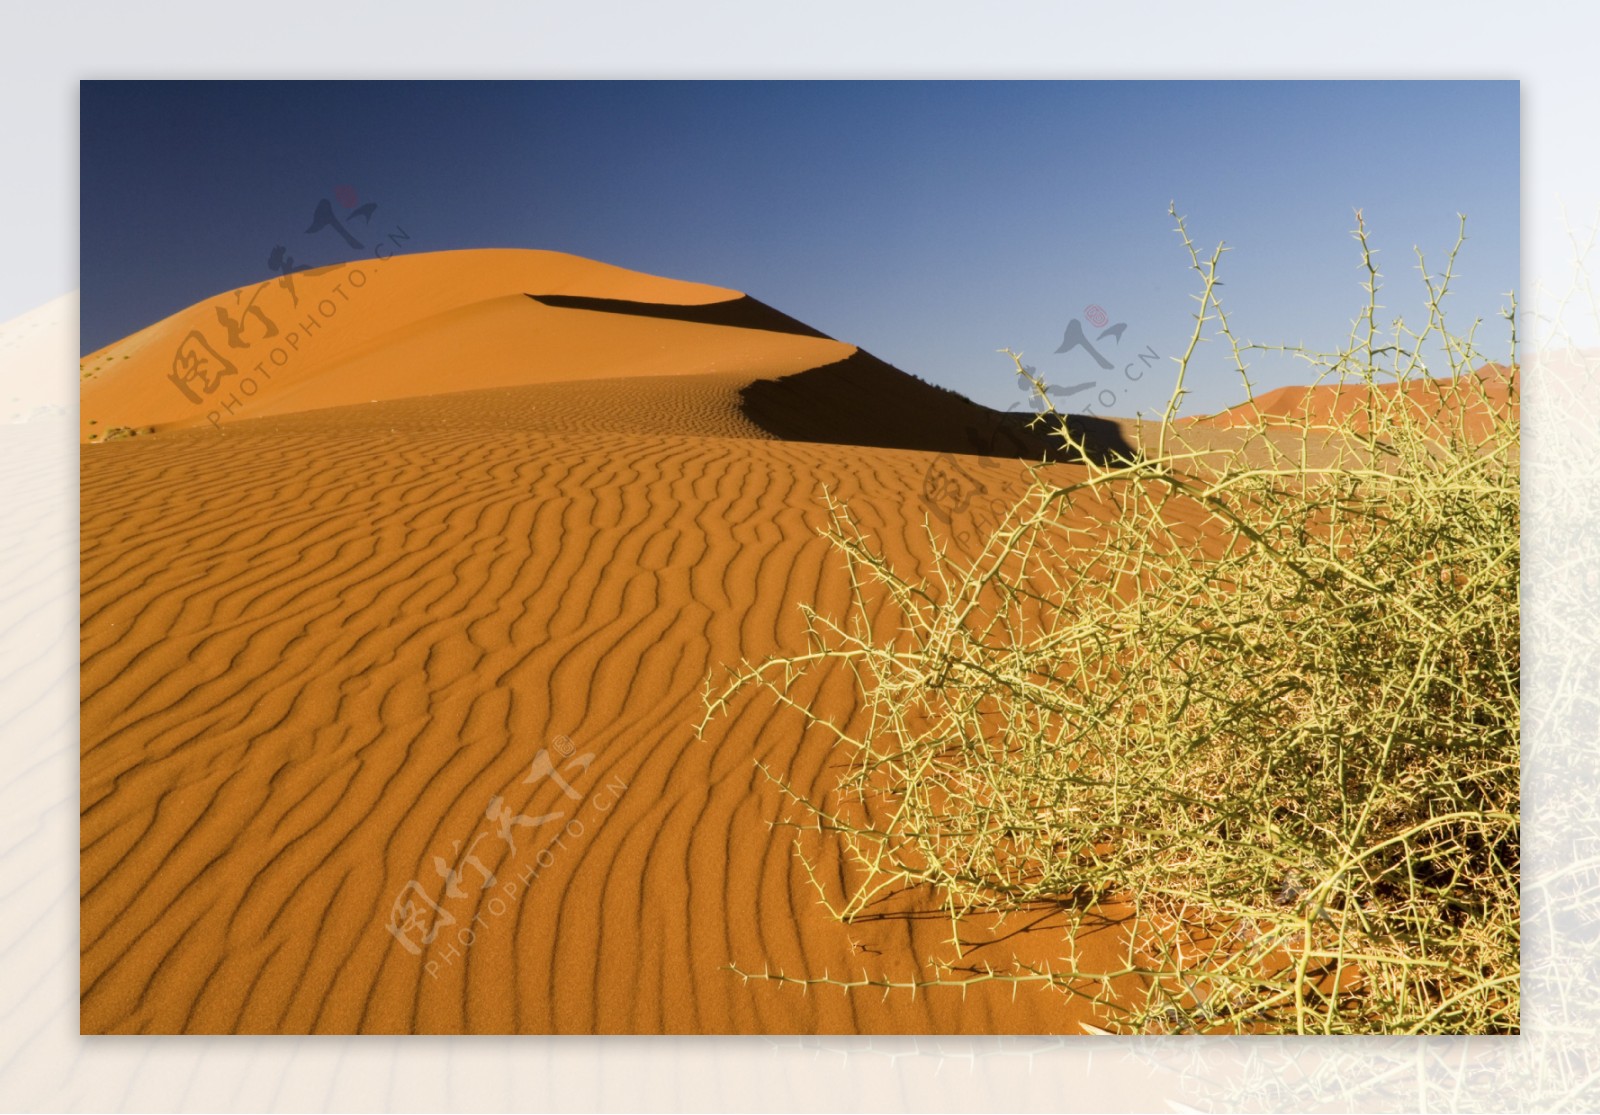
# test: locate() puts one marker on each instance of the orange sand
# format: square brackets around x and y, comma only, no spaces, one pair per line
[1492,389]
[464,561]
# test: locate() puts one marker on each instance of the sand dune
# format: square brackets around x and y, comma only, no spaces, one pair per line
[418,325]
[438,606]
[1492,387]
[446,322]
[35,340]
[392,652]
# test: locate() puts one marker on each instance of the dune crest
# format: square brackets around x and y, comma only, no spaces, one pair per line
[424,324]
[1490,389]
[435,324]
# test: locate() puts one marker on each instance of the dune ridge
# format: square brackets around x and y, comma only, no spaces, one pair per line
[424,324]
[1491,388]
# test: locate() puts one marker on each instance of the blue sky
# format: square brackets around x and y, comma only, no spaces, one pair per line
[932,223]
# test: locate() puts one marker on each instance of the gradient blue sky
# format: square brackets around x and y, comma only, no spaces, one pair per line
[932,223]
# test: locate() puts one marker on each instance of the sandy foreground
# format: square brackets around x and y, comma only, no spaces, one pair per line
[401,586]
[394,635]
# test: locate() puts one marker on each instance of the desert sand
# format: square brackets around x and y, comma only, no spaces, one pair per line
[400,589]
[1488,390]
[390,668]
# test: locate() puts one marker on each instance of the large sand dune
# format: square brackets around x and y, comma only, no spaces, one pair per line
[448,322]
[436,602]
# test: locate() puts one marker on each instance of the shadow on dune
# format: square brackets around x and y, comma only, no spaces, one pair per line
[740,313]
[862,400]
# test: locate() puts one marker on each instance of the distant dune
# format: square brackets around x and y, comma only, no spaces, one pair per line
[435,604]
[36,339]
[1491,388]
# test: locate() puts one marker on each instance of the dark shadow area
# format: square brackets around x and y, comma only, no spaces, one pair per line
[740,313]
[862,400]
[1105,440]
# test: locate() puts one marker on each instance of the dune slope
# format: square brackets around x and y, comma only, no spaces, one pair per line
[323,656]
[389,678]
